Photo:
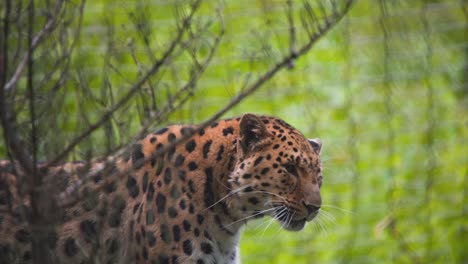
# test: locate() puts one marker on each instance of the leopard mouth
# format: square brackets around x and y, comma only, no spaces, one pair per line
[288,222]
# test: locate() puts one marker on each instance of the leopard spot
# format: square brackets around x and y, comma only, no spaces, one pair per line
[167,176]
[186,225]
[200,219]
[132,187]
[187,247]
[161,131]
[179,160]
[190,146]
[151,239]
[88,228]
[144,184]
[228,130]
[165,234]
[150,194]
[138,156]
[161,202]
[176,233]
[192,166]
[150,217]
[171,137]
[206,148]
[206,248]
[172,212]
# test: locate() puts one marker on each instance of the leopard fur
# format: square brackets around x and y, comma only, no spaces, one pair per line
[187,206]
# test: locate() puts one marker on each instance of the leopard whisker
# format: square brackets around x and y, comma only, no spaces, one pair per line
[274,194]
[250,216]
[273,218]
[321,226]
[339,209]
[328,216]
[291,216]
[227,196]
[277,216]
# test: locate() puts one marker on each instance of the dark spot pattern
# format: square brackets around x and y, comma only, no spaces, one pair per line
[253,200]
[144,183]
[200,219]
[161,131]
[206,148]
[190,146]
[150,217]
[88,228]
[172,212]
[206,248]
[191,186]
[132,187]
[192,166]
[171,137]
[118,204]
[151,239]
[208,192]
[150,194]
[258,160]
[186,225]
[161,202]
[220,153]
[247,176]
[167,176]
[187,247]
[165,234]
[176,233]
[228,130]
[179,160]
[137,156]
[186,131]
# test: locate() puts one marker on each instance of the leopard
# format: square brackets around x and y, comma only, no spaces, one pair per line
[187,204]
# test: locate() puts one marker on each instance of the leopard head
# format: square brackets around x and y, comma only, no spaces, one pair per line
[278,172]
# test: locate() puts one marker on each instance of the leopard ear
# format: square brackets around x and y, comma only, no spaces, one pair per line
[253,132]
[316,144]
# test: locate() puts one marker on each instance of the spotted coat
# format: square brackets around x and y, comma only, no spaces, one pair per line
[187,206]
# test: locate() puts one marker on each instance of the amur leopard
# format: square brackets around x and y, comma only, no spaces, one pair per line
[187,206]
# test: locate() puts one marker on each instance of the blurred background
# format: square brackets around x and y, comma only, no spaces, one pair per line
[386,90]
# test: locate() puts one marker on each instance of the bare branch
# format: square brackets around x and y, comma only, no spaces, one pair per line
[47,29]
[154,69]
[292,32]
[70,196]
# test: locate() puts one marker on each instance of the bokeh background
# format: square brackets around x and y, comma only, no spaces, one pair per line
[386,90]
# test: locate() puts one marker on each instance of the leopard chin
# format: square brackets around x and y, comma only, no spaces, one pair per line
[294,225]
[297,224]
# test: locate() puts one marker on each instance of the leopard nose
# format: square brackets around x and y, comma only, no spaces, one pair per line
[311,208]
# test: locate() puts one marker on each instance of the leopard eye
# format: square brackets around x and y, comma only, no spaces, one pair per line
[291,169]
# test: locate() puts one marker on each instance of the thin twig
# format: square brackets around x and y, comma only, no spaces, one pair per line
[47,29]
[292,32]
[154,69]
[268,75]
